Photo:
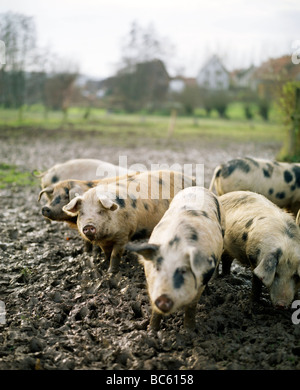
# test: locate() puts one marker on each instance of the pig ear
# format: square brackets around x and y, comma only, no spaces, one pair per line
[148,251]
[75,191]
[266,269]
[202,266]
[73,207]
[107,203]
[47,190]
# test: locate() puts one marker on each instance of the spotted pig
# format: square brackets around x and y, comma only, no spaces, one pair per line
[131,208]
[182,253]
[277,181]
[262,236]
[61,193]
[80,169]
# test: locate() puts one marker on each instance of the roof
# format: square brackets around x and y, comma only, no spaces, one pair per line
[278,68]
[212,59]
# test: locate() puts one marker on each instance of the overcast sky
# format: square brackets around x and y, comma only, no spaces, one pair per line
[90,32]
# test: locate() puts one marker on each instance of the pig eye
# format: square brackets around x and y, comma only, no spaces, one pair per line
[183,270]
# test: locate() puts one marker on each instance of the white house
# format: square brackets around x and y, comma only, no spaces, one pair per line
[213,75]
[244,78]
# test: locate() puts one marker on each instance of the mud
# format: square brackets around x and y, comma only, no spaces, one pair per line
[63,311]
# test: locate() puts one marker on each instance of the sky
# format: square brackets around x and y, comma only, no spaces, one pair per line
[90,33]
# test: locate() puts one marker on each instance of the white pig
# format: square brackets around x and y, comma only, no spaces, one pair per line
[111,216]
[182,254]
[262,236]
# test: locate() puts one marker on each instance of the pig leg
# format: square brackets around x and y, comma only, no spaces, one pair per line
[155,320]
[88,246]
[115,258]
[107,249]
[96,250]
[189,316]
[256,288]
[226,263]
[190,312]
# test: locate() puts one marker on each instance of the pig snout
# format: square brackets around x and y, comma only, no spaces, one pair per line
[89,231]
[46,211]
[281,306]
[164,303]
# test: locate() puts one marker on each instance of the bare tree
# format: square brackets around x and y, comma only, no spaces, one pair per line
[18,33]
[59,86]
[143,44]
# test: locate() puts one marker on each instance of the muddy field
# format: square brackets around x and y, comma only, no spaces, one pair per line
[63,311]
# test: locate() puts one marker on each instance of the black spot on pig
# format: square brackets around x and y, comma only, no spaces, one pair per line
[268,170]
[56,200]
[54,179]
[245,236]
[145,206]
[198,259]
[271,191]
[232,165]
[90,184]
[175,240]
[133,203]
[271,260]
[290,230]
[120,201]
[245,199]
[178,278]
[158,262]
[252,161]
[296,171]
[278,253]
[249,223]
[192,233]
[293,187]
[280,195]
[288,177]
[194,213]
[66,189]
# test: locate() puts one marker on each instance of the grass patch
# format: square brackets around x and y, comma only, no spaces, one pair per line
[11,176]
[139,129]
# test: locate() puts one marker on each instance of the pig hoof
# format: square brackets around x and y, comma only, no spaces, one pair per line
[113,270]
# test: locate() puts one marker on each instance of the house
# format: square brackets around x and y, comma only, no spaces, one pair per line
[179,83]
[244,78]
[213,75]
[275,72]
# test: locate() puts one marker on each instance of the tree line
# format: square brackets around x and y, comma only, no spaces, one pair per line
[141,83]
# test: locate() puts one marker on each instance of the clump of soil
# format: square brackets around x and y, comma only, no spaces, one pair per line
[64,311]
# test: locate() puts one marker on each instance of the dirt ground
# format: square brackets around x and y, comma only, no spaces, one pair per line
[63,311]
